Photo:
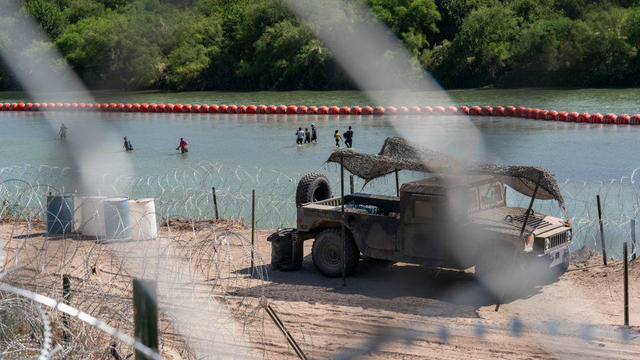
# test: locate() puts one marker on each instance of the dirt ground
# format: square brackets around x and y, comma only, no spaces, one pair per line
[393,312]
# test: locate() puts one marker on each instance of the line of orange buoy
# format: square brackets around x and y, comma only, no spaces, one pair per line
[508,111]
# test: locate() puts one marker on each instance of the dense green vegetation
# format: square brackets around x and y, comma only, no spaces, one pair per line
[260,44]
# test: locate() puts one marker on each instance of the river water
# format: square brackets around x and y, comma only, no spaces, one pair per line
[585,154]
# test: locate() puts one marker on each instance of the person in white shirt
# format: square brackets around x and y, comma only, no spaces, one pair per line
[300,136]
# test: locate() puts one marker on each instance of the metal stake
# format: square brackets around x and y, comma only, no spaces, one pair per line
[633,239]
[351,183]
[215,202]
[626,285]
[604,249]
[253,224]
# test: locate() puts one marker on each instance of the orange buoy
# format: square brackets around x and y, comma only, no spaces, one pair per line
[518,112]
[542,114]
[74,106]
[475,110]
[232,109]
[356,110]
[334,110]
[562,116]
[415,110]
[572,116]
[312,110]
[323,110]
[271,109]
[119,107]
[623,119]
[222,109]
[186,108]
[242,109]
[463,110]
[391,110]
[281,109]
[143,107]
[486,110]
[345,110]
[160,108]
[128,108]
[367,110]
[582,117]
[177,108]
[213,109]
[379,110]
[82,106]
[595,118]
[609,118]
[261,109]
[302,109]
[403,110]
[439,110]
[153,107]
[35,107]
[251,109]
[19,107]
[427,110]
[533,114]
[204,108]
[292,109]
[634,120]
[498,111]
[195,108]
[551,115]
[510,111]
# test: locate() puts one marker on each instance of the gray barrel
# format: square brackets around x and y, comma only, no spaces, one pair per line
[116,218]
[59,214]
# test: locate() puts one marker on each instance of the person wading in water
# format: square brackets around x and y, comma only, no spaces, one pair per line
[336,135]
[63,132]
[348,138]
[127,145]
[314,134]
[299,136]
[183,146]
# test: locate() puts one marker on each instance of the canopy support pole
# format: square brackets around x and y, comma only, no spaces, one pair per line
[397,185]
[524,226]
[344,239]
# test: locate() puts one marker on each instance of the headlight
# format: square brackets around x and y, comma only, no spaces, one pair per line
[569,233]
[547,244]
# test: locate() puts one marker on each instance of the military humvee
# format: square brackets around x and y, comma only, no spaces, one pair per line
[441,221]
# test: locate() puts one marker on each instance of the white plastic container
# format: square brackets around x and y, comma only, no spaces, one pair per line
[92,214]
[142,219]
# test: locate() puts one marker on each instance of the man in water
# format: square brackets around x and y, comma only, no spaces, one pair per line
[348,138]
[63,132]
[127,145]
[314,134]
[300,136]
[336,135]
[183,146]
[307,136]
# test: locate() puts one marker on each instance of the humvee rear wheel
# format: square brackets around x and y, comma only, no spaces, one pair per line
[312,187]
[327,253]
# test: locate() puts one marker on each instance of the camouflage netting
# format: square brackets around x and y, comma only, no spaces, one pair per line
[398,154]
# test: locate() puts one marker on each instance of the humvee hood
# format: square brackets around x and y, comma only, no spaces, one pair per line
[509,220]
[398,154]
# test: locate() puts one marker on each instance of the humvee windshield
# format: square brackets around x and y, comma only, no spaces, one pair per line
[490,195]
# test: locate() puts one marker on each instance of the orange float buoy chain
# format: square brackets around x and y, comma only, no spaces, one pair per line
[508,111]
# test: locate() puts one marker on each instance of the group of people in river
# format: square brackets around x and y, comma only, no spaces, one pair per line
[305,136]
[183,146]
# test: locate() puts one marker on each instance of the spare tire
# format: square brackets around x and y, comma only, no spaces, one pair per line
[312,187]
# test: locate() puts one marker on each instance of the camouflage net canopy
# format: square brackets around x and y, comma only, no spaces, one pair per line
[398,154]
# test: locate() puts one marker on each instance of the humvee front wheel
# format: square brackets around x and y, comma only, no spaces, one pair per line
[327,253]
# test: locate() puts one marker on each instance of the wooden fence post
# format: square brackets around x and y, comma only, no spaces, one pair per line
[253,225]
[145,312]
